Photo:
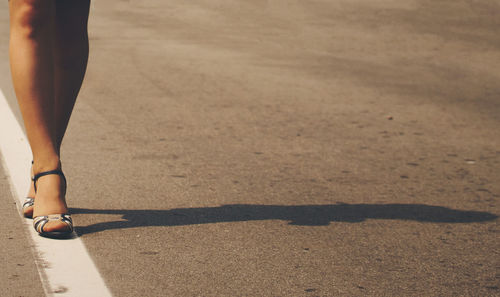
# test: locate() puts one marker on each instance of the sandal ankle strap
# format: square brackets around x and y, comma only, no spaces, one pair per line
[56,172]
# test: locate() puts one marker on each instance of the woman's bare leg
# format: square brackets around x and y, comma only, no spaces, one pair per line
[31,57]
[32,66]
[71,51]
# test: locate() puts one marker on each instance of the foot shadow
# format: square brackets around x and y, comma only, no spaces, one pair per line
[303,215]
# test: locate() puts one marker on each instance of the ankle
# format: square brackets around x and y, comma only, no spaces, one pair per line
[42,165]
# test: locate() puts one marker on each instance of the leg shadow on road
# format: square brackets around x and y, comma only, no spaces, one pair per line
[303,215]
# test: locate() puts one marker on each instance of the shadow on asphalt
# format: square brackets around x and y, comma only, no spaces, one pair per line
[303,215]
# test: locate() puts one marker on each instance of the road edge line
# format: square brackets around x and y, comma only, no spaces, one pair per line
[64,266]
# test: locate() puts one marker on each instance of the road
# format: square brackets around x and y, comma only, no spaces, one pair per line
[283,148]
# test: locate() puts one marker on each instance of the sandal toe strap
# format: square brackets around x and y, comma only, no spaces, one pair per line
[41,221]
[28,202]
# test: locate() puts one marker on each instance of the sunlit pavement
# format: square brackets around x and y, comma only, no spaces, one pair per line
[284,148]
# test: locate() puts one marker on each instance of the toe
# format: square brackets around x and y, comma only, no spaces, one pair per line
[56,226]
[28,211]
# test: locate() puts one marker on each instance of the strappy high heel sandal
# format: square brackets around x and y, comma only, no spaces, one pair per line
[40,221]
[28,203]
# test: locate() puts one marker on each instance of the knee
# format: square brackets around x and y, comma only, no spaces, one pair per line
[31,17]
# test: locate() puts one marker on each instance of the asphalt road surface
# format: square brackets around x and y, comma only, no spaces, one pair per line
[283,148]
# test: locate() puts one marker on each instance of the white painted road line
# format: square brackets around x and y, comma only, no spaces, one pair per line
[65,266]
